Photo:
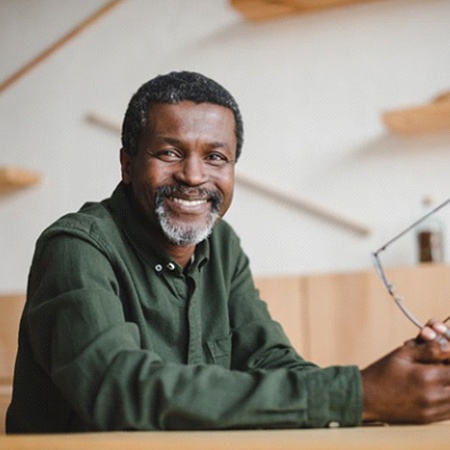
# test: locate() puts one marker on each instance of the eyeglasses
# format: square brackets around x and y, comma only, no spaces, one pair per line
[398,299]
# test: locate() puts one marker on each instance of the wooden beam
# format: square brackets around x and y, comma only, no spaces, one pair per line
[303,204]
[41,57]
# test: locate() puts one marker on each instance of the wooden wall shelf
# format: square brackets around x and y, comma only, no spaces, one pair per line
[257,10]
[431,118]
[14,178]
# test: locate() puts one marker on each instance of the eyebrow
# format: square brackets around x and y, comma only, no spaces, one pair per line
[176,141]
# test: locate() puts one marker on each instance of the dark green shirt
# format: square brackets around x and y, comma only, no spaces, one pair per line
[115,336]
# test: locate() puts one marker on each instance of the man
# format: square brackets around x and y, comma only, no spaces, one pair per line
[141,311]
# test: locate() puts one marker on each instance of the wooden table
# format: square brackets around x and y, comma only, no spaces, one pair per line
[435,436]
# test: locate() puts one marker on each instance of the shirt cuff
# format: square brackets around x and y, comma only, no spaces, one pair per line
[337,398]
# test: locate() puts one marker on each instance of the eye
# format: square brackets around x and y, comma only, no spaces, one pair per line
[168,155]
[217,159]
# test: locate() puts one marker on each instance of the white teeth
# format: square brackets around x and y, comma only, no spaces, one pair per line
[183,202]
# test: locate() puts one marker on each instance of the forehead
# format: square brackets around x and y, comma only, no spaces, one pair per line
[191,117]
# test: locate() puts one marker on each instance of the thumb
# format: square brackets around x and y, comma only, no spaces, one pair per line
[428,352]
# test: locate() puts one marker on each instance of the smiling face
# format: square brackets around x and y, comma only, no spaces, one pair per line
[182,176]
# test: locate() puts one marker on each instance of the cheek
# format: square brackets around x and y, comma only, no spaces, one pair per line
[227,189]
[144,194]
[156,173]
[147,175]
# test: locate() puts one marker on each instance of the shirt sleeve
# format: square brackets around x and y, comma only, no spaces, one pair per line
[331,395]
[81,340]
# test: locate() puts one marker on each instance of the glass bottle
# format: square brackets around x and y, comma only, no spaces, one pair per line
[430,236]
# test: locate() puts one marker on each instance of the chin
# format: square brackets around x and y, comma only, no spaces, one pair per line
[184,235]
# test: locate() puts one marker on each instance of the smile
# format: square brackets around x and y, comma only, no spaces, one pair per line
[184,202]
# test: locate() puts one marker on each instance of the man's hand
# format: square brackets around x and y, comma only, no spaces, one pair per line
[411,384]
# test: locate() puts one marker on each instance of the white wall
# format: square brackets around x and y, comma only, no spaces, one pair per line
[311,88]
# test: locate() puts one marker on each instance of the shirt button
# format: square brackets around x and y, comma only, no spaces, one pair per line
[171,266]
[334,425]
[158,267]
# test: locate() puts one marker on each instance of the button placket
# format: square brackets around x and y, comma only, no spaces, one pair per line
[195,329]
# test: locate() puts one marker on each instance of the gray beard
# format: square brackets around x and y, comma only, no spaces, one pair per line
[181,234]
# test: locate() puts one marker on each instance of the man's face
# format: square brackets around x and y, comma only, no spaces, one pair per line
[183,173]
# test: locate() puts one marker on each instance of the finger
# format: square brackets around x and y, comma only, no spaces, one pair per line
[428,334]
[438,326]
[428,352]
[435,330]
[441,329]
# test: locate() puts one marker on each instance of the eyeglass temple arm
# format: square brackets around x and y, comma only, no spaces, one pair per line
[407,313]
[412,226]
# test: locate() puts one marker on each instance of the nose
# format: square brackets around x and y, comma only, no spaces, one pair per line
[192,171]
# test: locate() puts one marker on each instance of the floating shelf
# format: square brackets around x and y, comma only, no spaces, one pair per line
[430,118]
[14,178]
[257,10]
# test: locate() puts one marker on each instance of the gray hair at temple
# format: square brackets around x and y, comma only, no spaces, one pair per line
[173,88]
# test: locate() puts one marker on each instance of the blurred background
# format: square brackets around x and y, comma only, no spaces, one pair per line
[312,88]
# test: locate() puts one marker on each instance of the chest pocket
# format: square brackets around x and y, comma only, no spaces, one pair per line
[220,351]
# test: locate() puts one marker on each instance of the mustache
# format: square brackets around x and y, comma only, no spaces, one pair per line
[168,191]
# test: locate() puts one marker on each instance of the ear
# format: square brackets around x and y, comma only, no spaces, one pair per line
[126,166]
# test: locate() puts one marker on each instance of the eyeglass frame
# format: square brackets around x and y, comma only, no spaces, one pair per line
[382,275]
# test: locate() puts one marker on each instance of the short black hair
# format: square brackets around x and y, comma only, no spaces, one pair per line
[173,88]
